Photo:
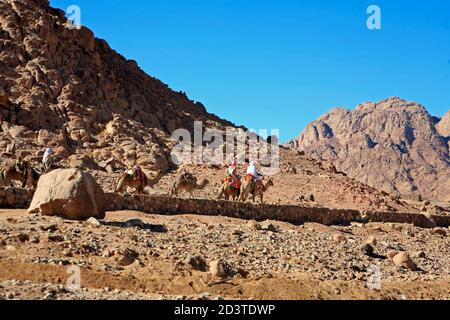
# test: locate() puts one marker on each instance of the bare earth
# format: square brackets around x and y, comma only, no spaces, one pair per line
[290,262]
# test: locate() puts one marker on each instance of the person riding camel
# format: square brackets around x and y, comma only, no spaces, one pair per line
[137,173]
[252,173]
[47,158]
[232,175]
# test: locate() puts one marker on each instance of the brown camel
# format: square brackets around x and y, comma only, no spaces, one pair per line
[128,180]
[255,189]
[228,191]
[31,177]
[188,183]
[15,172]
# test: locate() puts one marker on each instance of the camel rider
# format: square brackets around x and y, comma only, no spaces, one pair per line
[232,174]
[253,173]
[137,173]
[47,158]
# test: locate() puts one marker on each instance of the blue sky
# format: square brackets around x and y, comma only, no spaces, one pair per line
[280,64]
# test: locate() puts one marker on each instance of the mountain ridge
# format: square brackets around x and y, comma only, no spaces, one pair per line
[395,146]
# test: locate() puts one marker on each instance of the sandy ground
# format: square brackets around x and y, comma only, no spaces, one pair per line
[289,262]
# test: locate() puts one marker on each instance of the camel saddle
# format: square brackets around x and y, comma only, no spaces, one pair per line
[237,183]
[251,178]
[138,175]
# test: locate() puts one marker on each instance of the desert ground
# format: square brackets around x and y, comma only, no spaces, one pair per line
[132,255]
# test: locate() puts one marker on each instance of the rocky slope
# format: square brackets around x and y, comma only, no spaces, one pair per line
[63,87]
[392,145]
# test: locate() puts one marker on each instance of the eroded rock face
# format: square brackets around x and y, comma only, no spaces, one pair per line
[53,77]
[393,145]
[70,194]
[443,126]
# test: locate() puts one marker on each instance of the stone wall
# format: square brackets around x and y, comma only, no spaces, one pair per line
[15,198]
[21,199]
[292,214]
[172,206]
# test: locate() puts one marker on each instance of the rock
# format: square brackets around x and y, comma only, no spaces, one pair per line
[310,197]
[372,241]
[82,162]
[403,260]
[339,238]
[23,237]
[10,248]
[55,238]
[220,269]
[439,231]
[50,228]
[391,254]
[269,226]
[357,224]
[368,250]
[254,225]
[420,254]
[94,222]
[70,194]
[135,223]
[197,262]
[126,257]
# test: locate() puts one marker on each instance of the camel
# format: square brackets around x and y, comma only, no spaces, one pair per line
[31,177]
[249,187]
[15,172]
[188,183]
[229,191]
[127,180]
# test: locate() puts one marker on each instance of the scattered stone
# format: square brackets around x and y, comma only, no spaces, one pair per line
[94,222]
[126,257]
[23,237]
[368,250]
[197,262]
[55,238]
[254,225]
[269,226]
[420,254]
[372,241]
[135,223]
[35,240]
[395,227]
[403,260]
[391,254]
[310,197]
[439,231]
[50,228]
[10,248]
[357,224]
[339,238]
[220,269]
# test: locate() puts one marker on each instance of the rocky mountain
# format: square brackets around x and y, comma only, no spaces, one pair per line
[392,145]
[443,126]
[61,86]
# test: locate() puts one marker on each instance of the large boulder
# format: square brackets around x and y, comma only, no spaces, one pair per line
[70,194]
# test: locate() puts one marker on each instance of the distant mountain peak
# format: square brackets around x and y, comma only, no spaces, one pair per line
[393,145]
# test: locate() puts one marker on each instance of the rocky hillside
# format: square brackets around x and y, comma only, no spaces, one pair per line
[392,145]
[63,87]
